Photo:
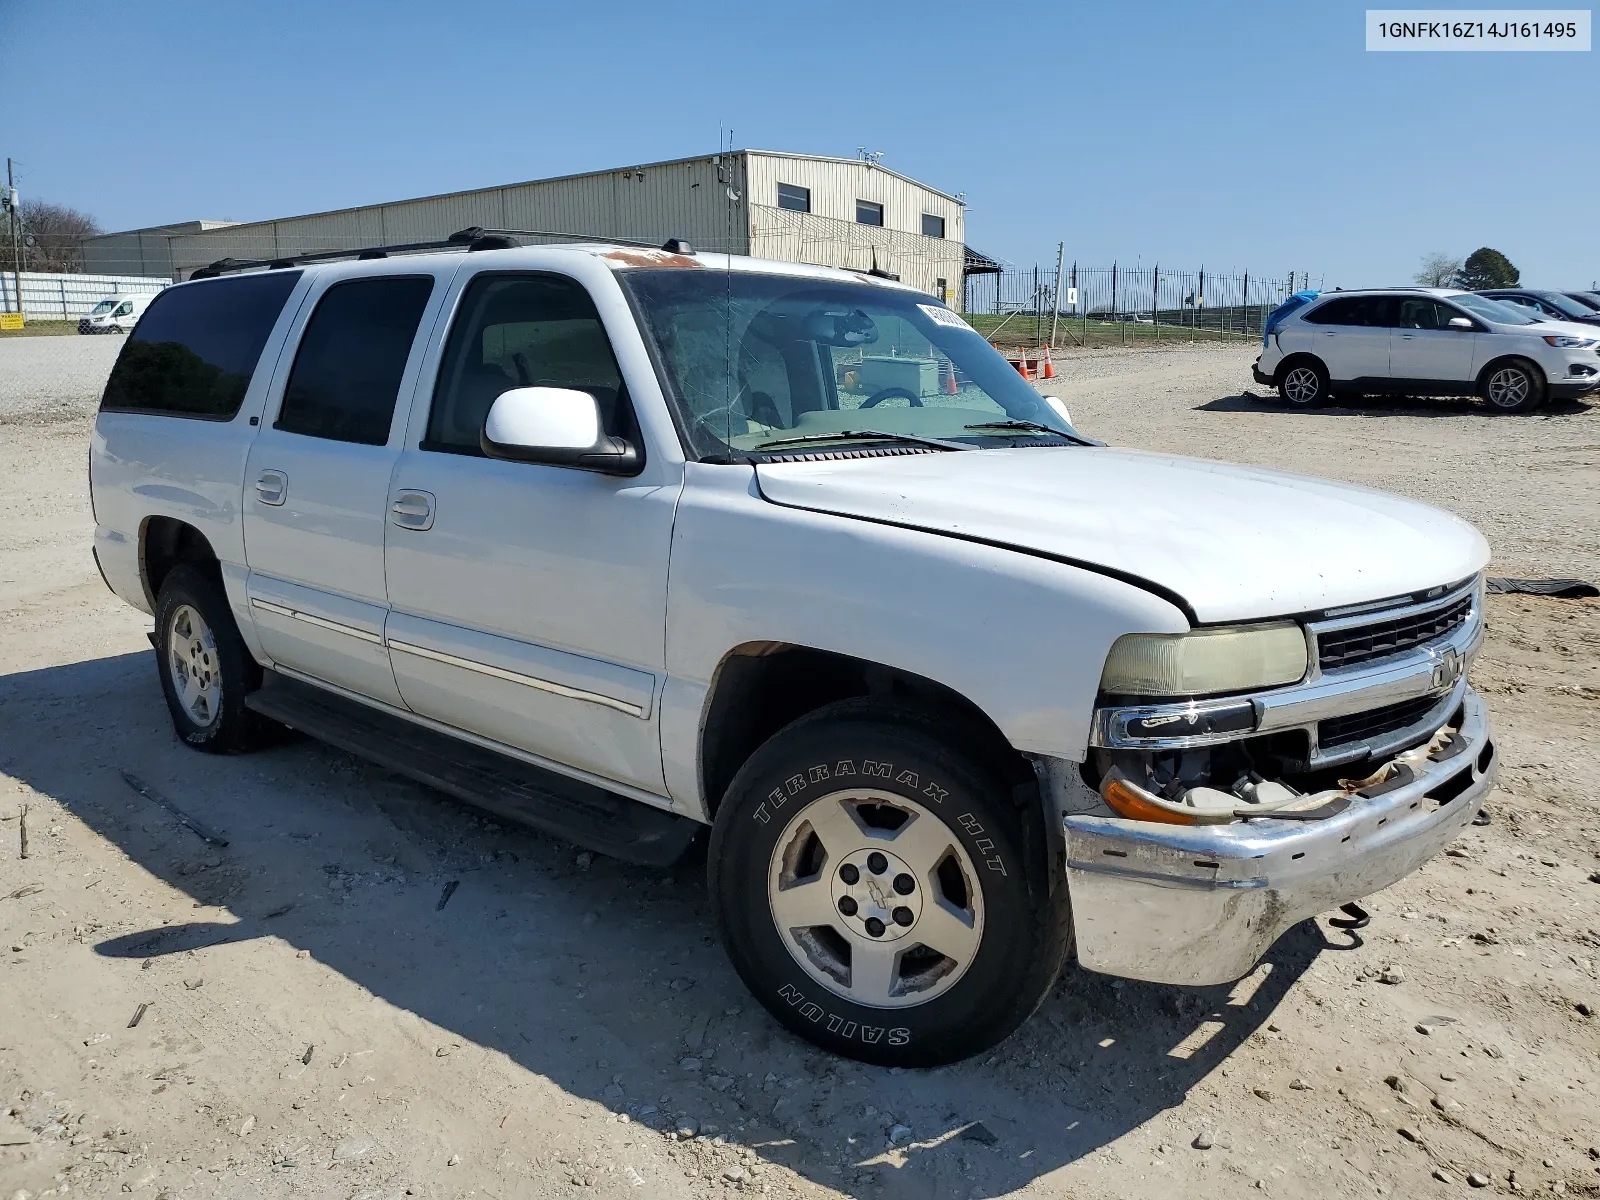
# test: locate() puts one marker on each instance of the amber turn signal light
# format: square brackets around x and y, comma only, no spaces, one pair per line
[1131,803]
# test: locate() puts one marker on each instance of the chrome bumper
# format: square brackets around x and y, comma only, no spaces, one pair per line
[1201,904]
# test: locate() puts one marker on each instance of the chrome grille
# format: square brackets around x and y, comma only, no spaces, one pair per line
[1364,643]
[1375,722]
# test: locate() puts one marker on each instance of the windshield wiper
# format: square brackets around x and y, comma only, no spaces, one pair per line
[859,435]
[1030,427]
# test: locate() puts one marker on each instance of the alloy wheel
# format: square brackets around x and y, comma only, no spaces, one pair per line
[1301,385]
[1508,387]
[875,898]
[196,669]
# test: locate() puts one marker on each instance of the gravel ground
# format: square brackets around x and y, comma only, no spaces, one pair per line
[314,1021]
[45,379]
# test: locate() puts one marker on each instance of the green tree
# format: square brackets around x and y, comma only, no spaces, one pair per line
[1487,268]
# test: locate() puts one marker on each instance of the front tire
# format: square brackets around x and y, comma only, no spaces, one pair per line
[205,669]
[1303,382]
[871,889]
[1516,386]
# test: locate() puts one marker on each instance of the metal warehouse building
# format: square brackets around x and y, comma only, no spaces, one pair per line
[841,212]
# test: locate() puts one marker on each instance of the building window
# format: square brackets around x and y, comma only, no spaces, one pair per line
[868,213]
[794,197]
[941,289]
[932,226]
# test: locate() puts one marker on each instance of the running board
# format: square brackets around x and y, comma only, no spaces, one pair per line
[569,808]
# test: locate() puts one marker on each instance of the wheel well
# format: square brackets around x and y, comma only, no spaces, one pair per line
[1297,358]
[1506,360]
[164,542]
[761,687]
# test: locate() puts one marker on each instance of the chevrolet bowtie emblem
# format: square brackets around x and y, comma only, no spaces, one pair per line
[1447,670]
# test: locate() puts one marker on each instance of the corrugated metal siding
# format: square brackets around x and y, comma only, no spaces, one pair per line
[650,203]
[836,186]
[825,241]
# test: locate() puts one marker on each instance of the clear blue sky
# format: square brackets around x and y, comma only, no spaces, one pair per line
[1232,135]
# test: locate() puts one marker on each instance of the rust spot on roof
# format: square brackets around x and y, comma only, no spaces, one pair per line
[651,258]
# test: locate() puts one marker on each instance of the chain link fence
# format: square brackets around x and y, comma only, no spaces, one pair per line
[1119,304]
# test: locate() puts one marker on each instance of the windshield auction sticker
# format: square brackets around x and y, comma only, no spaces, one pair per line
[1471,29]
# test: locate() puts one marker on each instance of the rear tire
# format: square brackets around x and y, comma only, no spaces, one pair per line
[1514,386]
[1303,382]
[871,889]
[205,669]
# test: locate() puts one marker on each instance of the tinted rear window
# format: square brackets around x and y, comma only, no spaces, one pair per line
[346,375]
[1354,310]
[195,349]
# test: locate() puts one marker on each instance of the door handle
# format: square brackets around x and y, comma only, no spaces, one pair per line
[412,510]
[1406,337]
[272,487]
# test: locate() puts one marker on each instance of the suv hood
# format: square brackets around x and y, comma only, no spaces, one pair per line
[1236,543]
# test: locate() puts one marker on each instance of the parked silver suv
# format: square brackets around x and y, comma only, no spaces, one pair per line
[1427,342]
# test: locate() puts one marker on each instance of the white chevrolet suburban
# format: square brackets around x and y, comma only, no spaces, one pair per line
[633,544]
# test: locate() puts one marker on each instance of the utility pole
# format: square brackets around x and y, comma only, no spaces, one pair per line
[1055,316]
[16,234]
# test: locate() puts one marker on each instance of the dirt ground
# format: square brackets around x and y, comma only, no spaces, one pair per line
[299,1012]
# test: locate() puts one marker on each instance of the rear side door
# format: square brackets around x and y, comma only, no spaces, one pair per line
[317,479]
[529,601]
[1351,337]
[1427,351]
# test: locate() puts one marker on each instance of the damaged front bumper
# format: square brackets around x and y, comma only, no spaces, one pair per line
[1200,904]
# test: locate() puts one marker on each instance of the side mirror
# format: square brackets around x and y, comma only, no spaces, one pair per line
[1059,407]
[557,426]
[1459,323]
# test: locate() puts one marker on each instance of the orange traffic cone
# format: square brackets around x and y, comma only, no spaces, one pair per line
[1049,367]
[950,388]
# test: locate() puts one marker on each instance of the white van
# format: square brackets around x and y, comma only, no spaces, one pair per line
[118,314]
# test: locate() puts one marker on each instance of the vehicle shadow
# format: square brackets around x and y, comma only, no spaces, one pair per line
[599,976]
[1383,406]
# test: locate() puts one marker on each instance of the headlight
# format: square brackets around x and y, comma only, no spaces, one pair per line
[1562,342]
[1205,661]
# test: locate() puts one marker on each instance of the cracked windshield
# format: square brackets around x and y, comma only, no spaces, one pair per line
[768,363]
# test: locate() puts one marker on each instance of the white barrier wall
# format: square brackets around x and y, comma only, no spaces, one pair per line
[50,297]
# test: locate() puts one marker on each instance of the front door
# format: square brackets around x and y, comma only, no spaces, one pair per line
[317,482]
[1426,349]
[1352,336]
[529,601]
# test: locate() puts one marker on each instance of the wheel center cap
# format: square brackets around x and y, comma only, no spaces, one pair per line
[876,894]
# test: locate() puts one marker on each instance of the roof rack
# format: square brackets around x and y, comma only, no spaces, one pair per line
[475,237]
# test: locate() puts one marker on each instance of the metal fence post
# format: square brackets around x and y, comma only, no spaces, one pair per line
[1155,300]
[1055,305]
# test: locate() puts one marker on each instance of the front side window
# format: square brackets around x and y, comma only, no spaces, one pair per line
[932,226]
[346,374]
[869,212]
[794,197]
[752,361]
[516,331]
[101,309]
[197,346]
[1423,313]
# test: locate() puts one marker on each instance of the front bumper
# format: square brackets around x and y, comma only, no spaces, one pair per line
[1574,389]
[1196,904]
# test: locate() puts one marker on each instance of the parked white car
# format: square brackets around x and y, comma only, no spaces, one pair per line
[632,545]
[1427,342]
[116,314]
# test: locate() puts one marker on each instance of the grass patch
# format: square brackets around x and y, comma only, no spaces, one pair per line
[42,329]
[1027,330]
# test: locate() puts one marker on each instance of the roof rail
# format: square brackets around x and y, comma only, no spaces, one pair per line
[475,237]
